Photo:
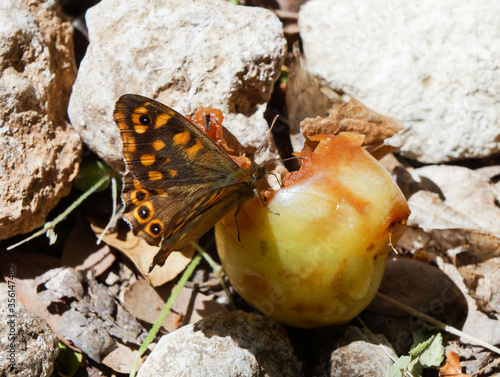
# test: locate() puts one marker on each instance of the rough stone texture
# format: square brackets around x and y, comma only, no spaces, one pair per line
[184,53]
[224,344]
[35,345]
[357,354]
[431,64]
[39,151]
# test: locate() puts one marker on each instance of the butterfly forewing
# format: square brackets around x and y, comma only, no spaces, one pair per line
[162,148]
[179,182]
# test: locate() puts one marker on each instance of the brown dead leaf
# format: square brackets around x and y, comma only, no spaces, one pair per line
[477,323]
[306,96]
[141,254]
[83,254]
[469,247]
[477,257]
[353,116]
[142,300]
[26,289]
[452,368]
[190,306]
[195,305]
[121,359]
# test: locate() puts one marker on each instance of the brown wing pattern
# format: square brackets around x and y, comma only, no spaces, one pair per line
[164,149]
[179,182]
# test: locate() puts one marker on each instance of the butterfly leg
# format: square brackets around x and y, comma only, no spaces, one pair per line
[264,204]
[236,221]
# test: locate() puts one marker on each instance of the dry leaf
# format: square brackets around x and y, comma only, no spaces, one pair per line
[477,257]
[353,116]
[141,254]
[469,200]
[195,305]
[83,254]
[121,359]
[477,323]
[29,265]
[142,300]
[429,211]
[452,368]
[306,96]
[190,306]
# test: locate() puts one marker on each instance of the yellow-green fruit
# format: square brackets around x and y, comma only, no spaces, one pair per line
[320,262]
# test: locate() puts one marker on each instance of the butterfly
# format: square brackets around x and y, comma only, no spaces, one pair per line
[179,182]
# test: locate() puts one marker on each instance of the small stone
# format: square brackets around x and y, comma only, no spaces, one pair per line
[358,354]
[224,344]
[27,344]
[39,151]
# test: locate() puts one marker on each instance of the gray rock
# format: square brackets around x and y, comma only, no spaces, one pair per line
[27,344]
[39,151]
[433,65]
[358,354]
[224,344]
[186,54]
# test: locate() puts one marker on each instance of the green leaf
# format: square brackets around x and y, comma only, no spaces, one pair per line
[427,351]
[398,368]
[433,356]
[68,359]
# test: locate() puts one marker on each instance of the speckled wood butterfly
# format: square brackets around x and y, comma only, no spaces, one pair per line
[179,182]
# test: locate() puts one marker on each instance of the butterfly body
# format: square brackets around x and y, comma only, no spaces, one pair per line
[179,182]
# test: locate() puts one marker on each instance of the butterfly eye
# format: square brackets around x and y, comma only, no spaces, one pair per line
[140,195]
[144,212]
[145,120]
[155,228]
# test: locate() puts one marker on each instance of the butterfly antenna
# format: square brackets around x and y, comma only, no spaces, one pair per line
[267,136]
[277,179]
[285,159]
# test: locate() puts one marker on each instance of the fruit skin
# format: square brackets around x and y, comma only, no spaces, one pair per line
[321,261]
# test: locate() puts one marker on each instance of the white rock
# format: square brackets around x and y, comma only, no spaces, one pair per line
[224,344]
[39,151]
[431,64]
[186,54]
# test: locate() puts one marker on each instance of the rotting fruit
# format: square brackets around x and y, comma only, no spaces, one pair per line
[321,261]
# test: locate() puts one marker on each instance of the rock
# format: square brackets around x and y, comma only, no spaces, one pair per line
[358,354]
[39,151]
[28,345]
[185,54]
[224,344]
[433,65]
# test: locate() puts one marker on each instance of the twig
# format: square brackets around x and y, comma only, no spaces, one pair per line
[440,325]
[49,226]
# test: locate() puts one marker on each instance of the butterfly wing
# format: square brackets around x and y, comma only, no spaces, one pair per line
[179,182]
[163,149]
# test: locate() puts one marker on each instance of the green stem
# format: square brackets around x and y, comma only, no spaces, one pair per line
[217,270]
[156,327]
[51,224]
